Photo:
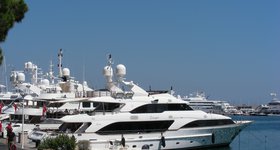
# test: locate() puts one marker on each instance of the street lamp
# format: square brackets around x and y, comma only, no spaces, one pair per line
[23,95]
[22,131]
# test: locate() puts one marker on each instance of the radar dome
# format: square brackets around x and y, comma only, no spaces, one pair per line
[66,72]
[120,70]
[21,77]
[29,65]
[85,83]
[45,82]
[108,71]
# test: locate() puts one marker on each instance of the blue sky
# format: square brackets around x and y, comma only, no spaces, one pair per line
[228,49]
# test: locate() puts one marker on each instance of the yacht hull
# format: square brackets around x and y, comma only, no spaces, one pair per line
[188,138]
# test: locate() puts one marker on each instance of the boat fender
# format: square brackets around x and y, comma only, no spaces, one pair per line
[162,141]
[123,141]
[213,138]
[145,147]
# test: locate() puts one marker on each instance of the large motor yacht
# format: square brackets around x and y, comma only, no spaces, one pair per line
[36,101]
[272,108]
[199,101]
[131,118]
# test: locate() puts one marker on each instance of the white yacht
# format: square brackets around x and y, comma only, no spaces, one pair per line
[38,101]
[272,108]
[199,101]
[230,110]
[130,118]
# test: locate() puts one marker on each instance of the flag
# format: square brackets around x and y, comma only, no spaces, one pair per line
[1,106]
[15,106]
[0,126]
[44,110]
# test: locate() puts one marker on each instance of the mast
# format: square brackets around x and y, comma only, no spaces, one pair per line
[109,67]
[51,72]
[83,85]
[60,55]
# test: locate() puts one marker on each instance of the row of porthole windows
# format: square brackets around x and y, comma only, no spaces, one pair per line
[146,146]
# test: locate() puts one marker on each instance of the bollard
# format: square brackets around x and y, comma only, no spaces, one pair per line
[19,137]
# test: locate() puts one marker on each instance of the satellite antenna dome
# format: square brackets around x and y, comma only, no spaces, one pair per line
[85,83]
[120,70]
[108,71]
[45,82]
[20,77]
[66,72]
[29,65]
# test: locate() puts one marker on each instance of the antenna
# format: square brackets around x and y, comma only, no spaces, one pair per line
[108,71]
[110,63]
[60,55]
[51,72]
[110,60]
[84,93]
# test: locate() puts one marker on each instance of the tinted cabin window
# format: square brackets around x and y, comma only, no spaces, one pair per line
[105,106]
[208,123]
[86,104]
[159,108]
[52,104]
[135,127]
[70,127]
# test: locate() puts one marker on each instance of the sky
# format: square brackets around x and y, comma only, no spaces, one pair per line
[228,49]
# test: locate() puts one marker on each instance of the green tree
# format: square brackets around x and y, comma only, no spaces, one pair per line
[11,11]
[62,142]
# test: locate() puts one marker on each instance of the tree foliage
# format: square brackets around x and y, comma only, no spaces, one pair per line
[1,56]
[11,11]
[61,142]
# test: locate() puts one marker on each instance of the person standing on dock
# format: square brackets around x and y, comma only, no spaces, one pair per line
[1,132]
[11,138]
[9,128]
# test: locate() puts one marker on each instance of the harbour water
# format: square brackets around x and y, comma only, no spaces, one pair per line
[263,134]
